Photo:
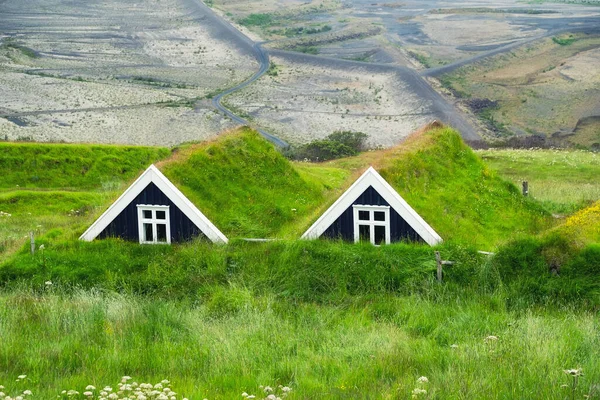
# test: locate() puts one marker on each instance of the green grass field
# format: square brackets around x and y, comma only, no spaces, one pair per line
[326,318]
[563,181]
[370,347]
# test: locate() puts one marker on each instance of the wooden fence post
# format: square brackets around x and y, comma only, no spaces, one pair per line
[438,260]
[32,242]
[525,188]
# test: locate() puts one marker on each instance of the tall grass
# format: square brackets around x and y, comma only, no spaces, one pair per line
[529,271]
[370,347]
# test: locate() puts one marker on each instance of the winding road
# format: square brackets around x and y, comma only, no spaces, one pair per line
[226,31]
[263,59]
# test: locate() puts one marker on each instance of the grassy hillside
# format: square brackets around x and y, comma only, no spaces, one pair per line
[563,181]
[246,187]
[62,166]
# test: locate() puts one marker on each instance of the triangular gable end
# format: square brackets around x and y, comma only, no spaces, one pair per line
[372,179]
[153,175]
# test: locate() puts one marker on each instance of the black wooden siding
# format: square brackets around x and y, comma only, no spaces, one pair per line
[343,227]
[125,225]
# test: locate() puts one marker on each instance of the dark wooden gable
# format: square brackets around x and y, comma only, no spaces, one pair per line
[125,225]
[343,227]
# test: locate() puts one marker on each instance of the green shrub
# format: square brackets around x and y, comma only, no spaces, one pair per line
[339,144]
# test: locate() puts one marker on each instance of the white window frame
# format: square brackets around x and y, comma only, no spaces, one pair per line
[154,221]
[371,222]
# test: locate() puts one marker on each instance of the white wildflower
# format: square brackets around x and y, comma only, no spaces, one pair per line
[491,338]
[574,372]
[423,379]
[88,394]
[42,247]
[244,394]
[417,392]
[27,392]
[88,387]
[22,376]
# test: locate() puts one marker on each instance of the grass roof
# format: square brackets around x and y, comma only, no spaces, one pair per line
[248,189]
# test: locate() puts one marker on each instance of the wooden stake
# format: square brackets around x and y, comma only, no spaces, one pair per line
[525,188]
[32,242]
[438,260]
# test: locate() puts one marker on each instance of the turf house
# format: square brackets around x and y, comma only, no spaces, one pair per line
[152,210]
[372,211]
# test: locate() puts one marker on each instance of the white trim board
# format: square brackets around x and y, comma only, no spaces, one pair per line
[372,178]
[153,175]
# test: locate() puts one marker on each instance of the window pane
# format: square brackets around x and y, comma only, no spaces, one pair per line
[161,232]
[364,233]
[147,214]
[363,215]
[148,235]
[379,216]
[379,234]
[160,215]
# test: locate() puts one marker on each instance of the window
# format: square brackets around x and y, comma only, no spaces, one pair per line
[153,224]
[372,224]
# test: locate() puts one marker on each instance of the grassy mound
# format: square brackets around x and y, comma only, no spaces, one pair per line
[458,195]
[453,190]
[59,166]
[246,187]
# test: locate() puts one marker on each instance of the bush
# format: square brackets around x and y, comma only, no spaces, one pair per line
[337,145]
